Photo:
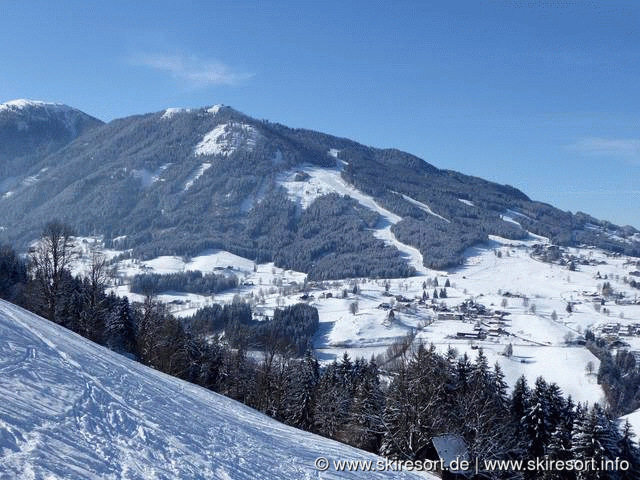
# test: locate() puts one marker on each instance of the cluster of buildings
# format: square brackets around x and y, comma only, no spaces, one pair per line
[617,329]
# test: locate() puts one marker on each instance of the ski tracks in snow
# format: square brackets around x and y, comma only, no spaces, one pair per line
[72,409]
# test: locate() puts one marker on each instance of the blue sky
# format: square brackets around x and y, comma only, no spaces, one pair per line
[542,95]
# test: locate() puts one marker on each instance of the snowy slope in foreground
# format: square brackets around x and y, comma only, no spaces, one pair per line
[71,409]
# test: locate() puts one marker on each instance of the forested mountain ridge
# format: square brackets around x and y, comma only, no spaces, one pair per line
[180,181]
[30,130]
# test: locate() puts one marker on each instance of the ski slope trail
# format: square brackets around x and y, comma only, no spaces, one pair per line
[74,410]
[322,181]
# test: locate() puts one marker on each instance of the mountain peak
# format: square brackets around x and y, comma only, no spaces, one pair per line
[169,113]
[215,108]
[31,129]
[22,104]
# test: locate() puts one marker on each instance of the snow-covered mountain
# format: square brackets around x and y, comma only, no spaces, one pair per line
[181,181]
[32,129]
[74,410]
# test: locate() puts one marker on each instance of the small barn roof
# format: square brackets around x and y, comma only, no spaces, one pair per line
[450,447]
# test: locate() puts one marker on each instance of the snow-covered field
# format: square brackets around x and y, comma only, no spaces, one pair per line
[172,112]
[502,276]
[70,409]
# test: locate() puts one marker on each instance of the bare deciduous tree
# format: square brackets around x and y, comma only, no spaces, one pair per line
[48,261]
[589,367]
[97,279]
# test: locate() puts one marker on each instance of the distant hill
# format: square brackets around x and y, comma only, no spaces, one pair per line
[30,129]
[181,181]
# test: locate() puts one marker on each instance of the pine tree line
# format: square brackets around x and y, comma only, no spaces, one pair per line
[618,375]
[191,282]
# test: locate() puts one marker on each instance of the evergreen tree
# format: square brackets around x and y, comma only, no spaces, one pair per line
[301,393]
[399,418]
[365,423]
[463,374]
[499,389]
[236,379]
[559,449]
[119,329]
[70,307]
[556,405]
[519,405]
[485,412]
[331,408]
[146,327]
[594,437]
[417,405]
[629,453]
[13,275]
[536,422]
[345,373]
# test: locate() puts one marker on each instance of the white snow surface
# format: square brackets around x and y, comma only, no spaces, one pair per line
[40,110]
[214,109]
[171,112]
[498,275]
[634,420]
[72,409]
[148,178]
[323,181]
[507,218]
[422,206]
[515,213]
[196,175]
[467,202]
[21,104]
[227,138]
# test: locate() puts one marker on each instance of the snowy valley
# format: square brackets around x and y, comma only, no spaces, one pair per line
[525,299]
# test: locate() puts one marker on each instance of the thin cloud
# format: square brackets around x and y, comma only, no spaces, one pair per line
[626,149]
[194,71]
